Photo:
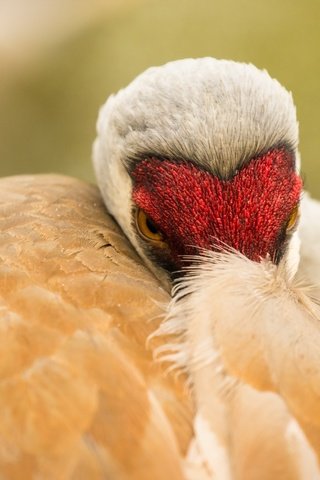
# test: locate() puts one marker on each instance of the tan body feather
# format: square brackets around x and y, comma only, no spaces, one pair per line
[80,397]
[80,394]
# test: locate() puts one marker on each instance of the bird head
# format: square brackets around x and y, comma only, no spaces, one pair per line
[198,155]
[197,160]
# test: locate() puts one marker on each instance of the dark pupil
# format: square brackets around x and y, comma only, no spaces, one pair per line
[151,226]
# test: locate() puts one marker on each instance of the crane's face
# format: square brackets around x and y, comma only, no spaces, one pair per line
[198,155]
[181,208]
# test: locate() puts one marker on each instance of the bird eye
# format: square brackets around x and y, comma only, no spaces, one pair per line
[147,228]
[293,218]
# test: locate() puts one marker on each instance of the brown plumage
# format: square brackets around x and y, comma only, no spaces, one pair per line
[197,151]
[80,397]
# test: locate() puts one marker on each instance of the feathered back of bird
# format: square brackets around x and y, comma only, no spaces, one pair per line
[80,396]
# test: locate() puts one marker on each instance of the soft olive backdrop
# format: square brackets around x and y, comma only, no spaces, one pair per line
[53,84]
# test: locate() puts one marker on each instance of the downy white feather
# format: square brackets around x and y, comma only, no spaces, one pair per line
[249,329]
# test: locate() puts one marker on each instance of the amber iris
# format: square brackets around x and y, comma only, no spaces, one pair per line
[147,228]
[293,218]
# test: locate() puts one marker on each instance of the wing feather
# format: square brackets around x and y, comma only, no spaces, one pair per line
[80,396]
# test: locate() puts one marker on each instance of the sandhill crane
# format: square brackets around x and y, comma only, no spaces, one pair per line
[104,374]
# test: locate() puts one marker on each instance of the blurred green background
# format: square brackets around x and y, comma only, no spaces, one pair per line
[60,59]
